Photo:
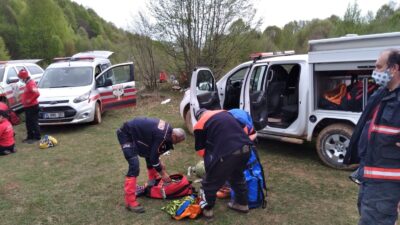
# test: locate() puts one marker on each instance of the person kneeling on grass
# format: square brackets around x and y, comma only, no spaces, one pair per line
[225,146]
[148,138]
[6,134]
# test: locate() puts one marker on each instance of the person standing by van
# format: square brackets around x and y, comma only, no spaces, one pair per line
[375,145]
[31,107]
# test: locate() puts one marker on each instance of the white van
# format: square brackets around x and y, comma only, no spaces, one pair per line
[80,88]
[290,96]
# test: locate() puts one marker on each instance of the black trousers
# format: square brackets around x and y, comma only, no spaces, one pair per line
[6,148]
[32,122]
[229,168]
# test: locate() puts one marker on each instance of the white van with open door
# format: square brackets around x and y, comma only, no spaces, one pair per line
[317,97]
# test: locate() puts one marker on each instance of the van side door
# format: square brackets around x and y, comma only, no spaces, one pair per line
[116,86]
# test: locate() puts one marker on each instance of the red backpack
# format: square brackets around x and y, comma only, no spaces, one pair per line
[179,187]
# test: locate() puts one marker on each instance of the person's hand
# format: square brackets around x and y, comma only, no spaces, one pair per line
[165,177]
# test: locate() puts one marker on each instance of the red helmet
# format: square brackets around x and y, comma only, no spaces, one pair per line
[23,74]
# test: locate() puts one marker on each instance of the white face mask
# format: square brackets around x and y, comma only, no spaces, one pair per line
[381,78]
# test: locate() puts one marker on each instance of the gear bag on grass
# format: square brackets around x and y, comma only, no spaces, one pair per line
[179,187]
[254,172]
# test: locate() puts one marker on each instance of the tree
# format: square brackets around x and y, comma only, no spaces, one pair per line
[194,32]
[143,52]
[48,25]
[4,55]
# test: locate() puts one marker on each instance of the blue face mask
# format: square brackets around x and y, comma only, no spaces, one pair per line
[382,78]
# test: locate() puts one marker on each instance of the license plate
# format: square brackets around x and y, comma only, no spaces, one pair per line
[53,115]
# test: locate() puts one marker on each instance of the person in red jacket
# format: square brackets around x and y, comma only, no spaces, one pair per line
[31,107]
[6,135]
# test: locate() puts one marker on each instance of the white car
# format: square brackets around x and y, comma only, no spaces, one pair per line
[11,87]
[80,88]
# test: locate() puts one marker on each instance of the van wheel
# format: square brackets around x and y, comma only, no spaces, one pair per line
[188,121]
[332,144]
[97,114]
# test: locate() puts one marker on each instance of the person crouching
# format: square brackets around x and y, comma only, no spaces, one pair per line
[6,135]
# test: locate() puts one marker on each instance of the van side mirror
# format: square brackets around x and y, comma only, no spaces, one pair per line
[12,80]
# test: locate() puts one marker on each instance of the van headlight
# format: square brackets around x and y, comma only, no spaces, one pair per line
[82,98]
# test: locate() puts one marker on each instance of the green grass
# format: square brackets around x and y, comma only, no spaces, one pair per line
[81,180]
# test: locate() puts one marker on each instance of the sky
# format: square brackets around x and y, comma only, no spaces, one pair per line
[272,12]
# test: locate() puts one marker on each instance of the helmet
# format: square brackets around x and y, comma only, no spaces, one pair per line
[47,142]
[23,74]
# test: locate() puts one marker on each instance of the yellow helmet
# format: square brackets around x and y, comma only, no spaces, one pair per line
[47,142]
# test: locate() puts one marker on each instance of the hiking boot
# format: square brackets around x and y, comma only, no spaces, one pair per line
[208,213]
[31,141]
[237,207]
[135,209]
[26,140]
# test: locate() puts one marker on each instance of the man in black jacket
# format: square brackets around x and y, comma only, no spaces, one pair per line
[375,145]
[221,140]
[148,138]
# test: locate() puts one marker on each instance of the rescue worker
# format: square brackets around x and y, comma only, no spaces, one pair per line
[148,138]
[6,134]
[221,140]
[375,144]
[31,107]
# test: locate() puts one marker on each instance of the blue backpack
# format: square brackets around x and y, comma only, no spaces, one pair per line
[254,172]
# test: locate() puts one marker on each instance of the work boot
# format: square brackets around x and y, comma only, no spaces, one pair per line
[130,196]
[237,207]
[208,213]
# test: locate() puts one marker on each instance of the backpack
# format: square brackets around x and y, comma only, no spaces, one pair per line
[353,99]
[179,187]
[254,172]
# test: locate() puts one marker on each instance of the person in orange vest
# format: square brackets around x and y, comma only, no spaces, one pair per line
[31,107]
[225,147]
[6,134]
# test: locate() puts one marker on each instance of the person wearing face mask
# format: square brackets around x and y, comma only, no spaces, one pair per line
[375,145]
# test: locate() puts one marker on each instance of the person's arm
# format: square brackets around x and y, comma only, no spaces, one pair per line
[33,92]
[155,160]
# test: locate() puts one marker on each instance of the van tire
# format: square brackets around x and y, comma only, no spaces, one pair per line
[97,114]
[332,144]
[188,121]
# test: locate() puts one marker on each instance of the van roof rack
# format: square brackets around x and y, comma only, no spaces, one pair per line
[263,55]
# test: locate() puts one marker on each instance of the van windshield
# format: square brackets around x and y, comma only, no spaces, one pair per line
[66,77]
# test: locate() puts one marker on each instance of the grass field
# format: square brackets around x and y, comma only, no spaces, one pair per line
[81,180]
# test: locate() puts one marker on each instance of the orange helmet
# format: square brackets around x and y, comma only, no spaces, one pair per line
[23,74]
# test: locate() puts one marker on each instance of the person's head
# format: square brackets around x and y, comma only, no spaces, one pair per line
[178,135]
[23,74]
[387,68]
[199,113]
[3,115]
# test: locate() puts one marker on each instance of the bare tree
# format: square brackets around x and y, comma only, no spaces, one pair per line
[143,52]
[196,31]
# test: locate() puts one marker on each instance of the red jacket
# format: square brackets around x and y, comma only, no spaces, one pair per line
[6,133]
[30,95]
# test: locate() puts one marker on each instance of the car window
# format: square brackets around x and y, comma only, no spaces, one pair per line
[34,69]
[122,74]
[1,73]
[256,78]
[11,73]
[205,81]
[19,68]
[66,77]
